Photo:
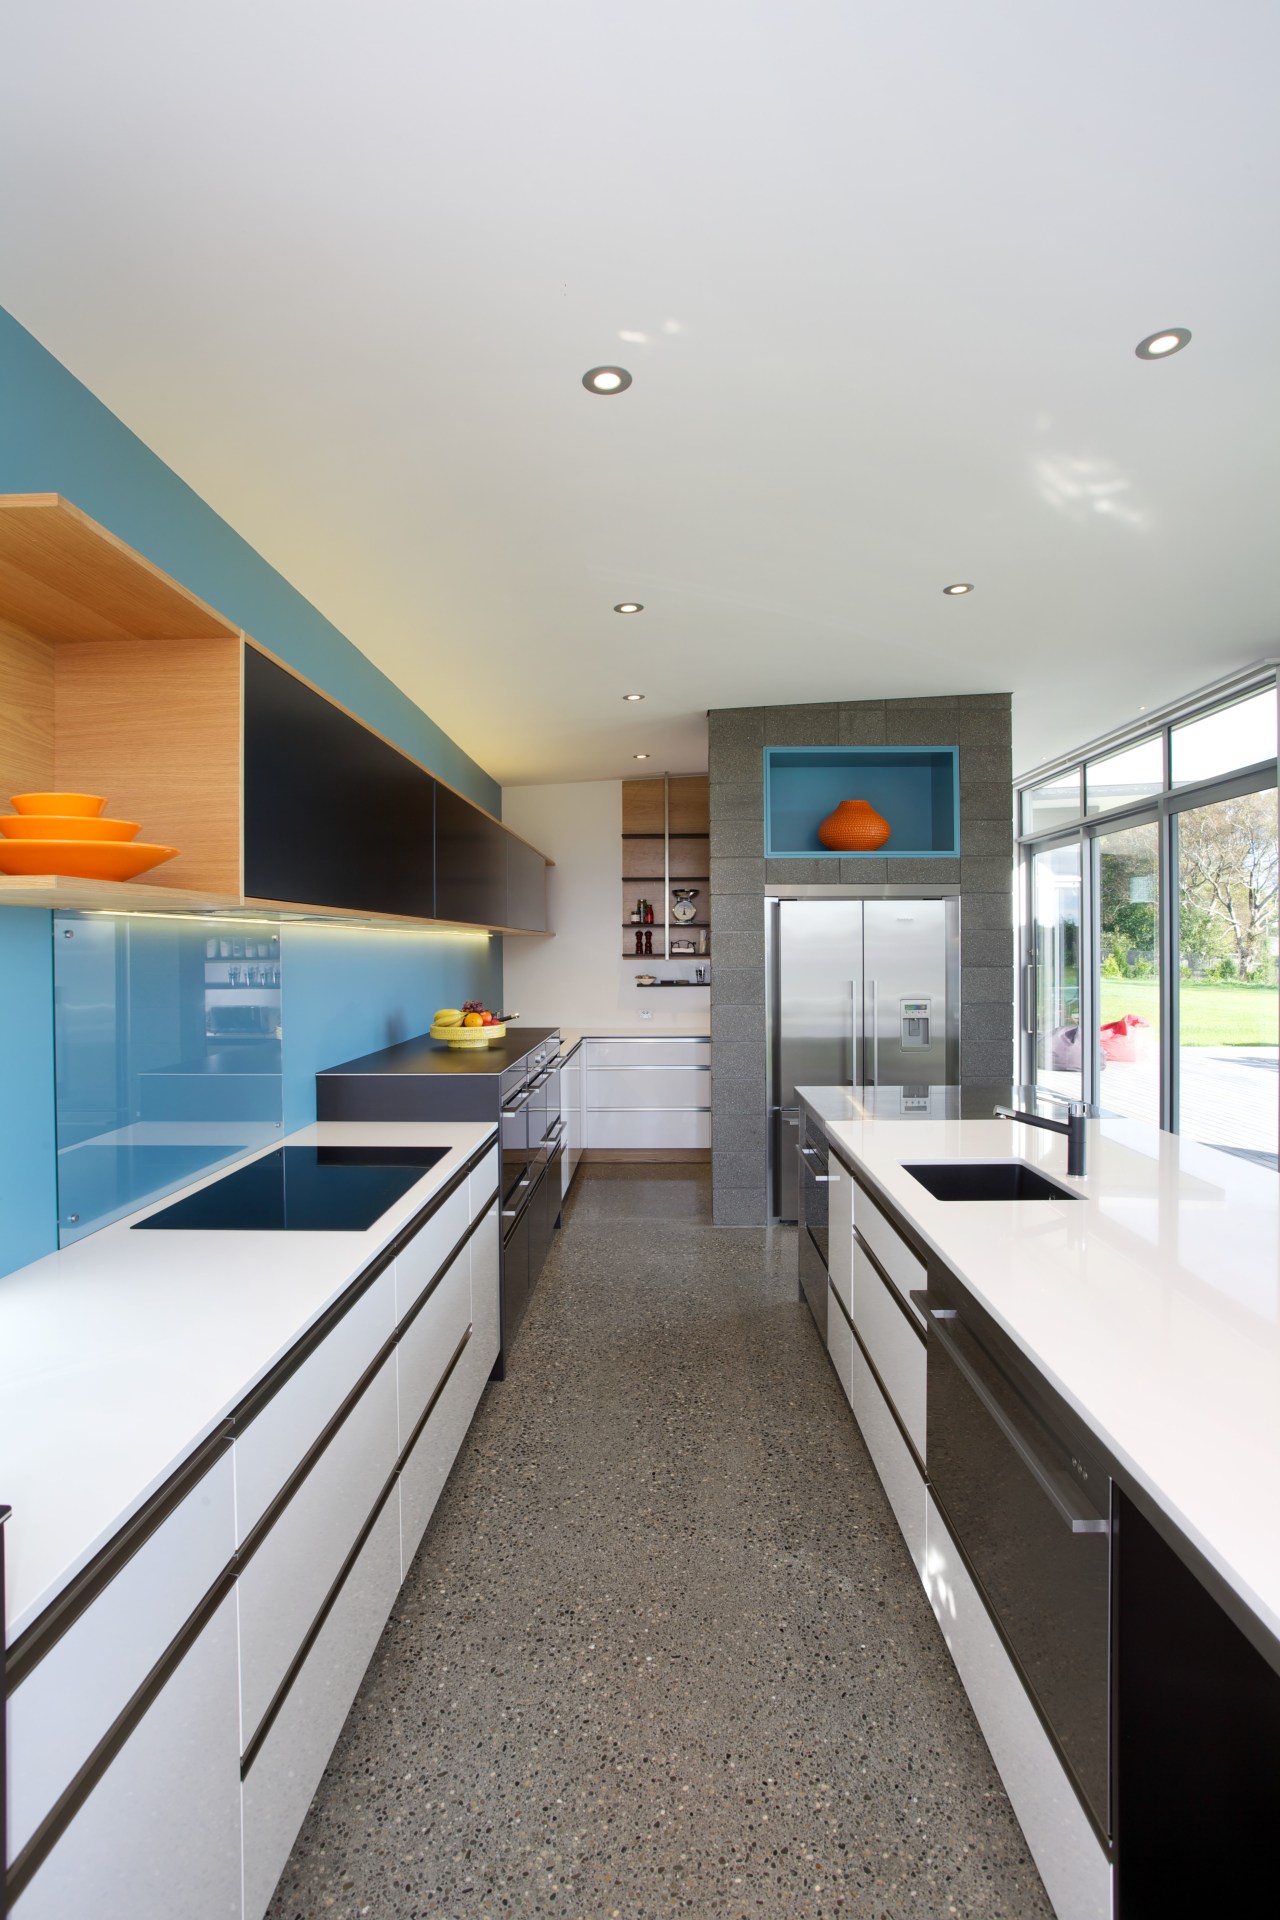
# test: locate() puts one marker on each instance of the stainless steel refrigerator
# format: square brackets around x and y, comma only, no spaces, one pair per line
[862,993]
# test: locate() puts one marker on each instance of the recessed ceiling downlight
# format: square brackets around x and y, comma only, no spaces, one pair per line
[606,380]
[629,606]
[1158,346]
[639,756]
[959,586]
[633,696]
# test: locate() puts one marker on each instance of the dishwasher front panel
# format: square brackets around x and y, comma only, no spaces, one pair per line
[1030,1510]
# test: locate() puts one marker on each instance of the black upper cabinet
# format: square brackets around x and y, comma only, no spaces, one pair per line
[471,863]
[526,887]
[333,816]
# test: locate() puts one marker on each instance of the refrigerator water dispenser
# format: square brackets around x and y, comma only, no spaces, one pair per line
[916,1016]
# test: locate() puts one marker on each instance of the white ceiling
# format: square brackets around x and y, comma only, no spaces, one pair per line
[343,266]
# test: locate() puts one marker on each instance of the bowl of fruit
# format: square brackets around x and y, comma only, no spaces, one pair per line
[470,1025]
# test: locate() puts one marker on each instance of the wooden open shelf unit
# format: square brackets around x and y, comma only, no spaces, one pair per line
[666,826]
[116,679]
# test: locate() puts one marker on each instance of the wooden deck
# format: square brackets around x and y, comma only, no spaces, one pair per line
[1230,1096]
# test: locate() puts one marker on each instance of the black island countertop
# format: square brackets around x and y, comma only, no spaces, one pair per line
[419,1079]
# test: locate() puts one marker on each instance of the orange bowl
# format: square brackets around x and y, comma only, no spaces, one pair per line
[77,804]
[64,826]
[82,859]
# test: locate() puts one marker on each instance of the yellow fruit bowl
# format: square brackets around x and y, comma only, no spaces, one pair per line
[469,1036]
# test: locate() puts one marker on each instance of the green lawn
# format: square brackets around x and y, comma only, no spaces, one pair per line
[1213,1012]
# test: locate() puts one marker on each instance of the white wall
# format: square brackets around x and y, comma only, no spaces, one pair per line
[580,976]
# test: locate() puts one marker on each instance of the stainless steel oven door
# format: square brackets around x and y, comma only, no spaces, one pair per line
[514,1133]
[1030,1510]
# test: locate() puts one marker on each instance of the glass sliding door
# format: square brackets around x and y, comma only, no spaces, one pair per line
[1058,1060]
[1128,972]
[1228,997]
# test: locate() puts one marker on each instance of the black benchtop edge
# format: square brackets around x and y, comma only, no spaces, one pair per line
[423,1055]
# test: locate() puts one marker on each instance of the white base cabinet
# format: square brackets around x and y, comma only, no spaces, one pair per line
[285,1584]
[287,1769]
[290,1549]
[159,1836]
[647,1094]
[890,1455]
[69,1701]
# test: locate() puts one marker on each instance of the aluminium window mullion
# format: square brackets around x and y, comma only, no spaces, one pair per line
[1171,988]
[1090,963]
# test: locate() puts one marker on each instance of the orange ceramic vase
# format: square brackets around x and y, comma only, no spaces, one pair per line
[854,827]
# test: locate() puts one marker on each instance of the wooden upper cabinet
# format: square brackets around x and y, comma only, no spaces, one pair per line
[689,803]
[114,679]
[644,806]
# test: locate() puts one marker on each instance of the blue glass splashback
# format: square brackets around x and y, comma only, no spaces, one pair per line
[167,1056]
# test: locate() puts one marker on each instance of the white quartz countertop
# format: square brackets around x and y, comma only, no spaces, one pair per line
[1152,1304]
[120,1354]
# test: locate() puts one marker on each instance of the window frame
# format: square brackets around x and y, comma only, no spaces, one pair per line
[1085,831]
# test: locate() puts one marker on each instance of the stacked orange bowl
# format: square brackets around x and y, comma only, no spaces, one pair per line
[64,833]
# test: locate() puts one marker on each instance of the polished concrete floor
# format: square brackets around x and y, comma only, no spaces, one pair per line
[662,1651]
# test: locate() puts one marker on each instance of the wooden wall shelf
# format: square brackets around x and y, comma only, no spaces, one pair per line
[115,679]
[63,577]
[666,827]
[63,893]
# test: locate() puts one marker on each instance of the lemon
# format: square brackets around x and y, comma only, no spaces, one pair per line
[448,1017]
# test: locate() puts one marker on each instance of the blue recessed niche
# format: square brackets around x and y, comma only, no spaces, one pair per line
[916,789]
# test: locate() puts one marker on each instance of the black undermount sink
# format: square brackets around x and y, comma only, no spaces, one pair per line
[986,1180]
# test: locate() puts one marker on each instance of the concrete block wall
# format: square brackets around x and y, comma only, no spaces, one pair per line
[979,724]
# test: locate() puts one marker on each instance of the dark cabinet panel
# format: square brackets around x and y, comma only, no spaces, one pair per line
[526,886]
[333,816]
[471,863]
[515,1278]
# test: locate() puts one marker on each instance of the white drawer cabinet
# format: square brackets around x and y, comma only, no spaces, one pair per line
[840,1343]
[418,1264]
[644,1052]
[158,1838]
[661,1088]
[647,1095]
[68,1701]
[273,1443]
[648,1129]
[890,1455]
[903,1266]
[482,1183]
[427,1346]
[897,1351]
[1075,1871]
[840,1235]
[286,1770]
[284,1585]
[427,1467]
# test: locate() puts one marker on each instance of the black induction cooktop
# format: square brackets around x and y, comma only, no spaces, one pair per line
[301,1190]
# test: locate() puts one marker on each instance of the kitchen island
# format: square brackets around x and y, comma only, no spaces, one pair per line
[1080,1452]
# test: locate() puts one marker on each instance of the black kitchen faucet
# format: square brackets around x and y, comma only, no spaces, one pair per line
[1072,1126]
